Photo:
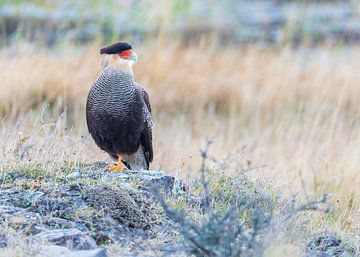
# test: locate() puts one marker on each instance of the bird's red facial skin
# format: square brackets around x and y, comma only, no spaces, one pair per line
[125,54]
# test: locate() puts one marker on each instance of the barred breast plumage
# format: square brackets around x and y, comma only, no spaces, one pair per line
[118,116]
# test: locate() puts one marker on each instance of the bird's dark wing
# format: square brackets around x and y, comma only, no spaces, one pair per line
[95,123]
[146,135]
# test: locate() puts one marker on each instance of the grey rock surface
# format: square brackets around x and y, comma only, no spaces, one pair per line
[72,239]
[18,218]
[84,207]
[3,240]
[74,174]
[328,246]
[60,251]
[53,250]
[89,253]
[161,183]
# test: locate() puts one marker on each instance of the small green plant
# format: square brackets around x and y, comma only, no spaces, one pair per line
[83,212]
[21,202]
[31,171]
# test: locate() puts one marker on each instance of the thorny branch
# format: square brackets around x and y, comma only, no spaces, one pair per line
[203,181]
[222,233]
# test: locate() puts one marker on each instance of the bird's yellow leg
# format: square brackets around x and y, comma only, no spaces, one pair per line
[119,167]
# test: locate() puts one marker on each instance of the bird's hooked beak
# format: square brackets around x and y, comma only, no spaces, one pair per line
[129,55]
[133,56]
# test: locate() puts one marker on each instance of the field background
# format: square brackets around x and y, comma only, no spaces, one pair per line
[272,84]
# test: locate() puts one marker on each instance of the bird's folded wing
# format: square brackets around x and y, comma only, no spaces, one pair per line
[147,107]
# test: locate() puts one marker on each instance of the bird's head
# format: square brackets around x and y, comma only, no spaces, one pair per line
[120,55]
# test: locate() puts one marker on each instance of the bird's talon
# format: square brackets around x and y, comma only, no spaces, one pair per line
[119,167]
[116,169]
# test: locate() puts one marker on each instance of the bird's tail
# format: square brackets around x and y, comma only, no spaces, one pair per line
[136,161]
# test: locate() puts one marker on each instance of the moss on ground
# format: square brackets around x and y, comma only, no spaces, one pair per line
[127,206]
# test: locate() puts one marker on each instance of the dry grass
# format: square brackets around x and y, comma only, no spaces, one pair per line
[295,111]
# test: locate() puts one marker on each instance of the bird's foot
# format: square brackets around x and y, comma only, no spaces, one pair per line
[119,167]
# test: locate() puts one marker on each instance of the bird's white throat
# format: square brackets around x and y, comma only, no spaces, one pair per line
[118,63]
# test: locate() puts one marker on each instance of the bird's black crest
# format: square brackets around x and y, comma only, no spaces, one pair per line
[115,48]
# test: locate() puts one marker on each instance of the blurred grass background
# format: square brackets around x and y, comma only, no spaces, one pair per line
[274,83]
[230,21]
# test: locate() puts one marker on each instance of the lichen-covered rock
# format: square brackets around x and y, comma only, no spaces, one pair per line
[61,205]
[147,180]
[89,253]
[328,246]
[72,239]
[162,183]
[3,240]
[60,251]
[150,180]
[19,219]
[129,207]
[53,250]
[85,207]
[18,197]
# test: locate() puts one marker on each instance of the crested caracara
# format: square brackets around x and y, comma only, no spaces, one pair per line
[118,111]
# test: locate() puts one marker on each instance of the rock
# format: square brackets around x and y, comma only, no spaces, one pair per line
[74,174]
[54,250]
[60,251]
[151,180]
[136,255]
[90,206]
[58,223]
[99,252]
[57,202]
[16,197]
[72,239]
[163,184]
[328,246]
[316,254]
[19,219]
[3,240]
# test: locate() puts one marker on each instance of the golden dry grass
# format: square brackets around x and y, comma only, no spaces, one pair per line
[295,111]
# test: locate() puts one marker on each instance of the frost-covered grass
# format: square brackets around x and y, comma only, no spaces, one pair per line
[290,118]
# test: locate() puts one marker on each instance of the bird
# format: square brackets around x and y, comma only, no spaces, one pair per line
[118,111]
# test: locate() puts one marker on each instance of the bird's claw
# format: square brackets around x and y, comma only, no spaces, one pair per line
[119,167]
[116,169]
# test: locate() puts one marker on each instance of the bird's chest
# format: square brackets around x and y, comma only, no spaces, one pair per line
[112,93]
[113,98]
[114,102]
